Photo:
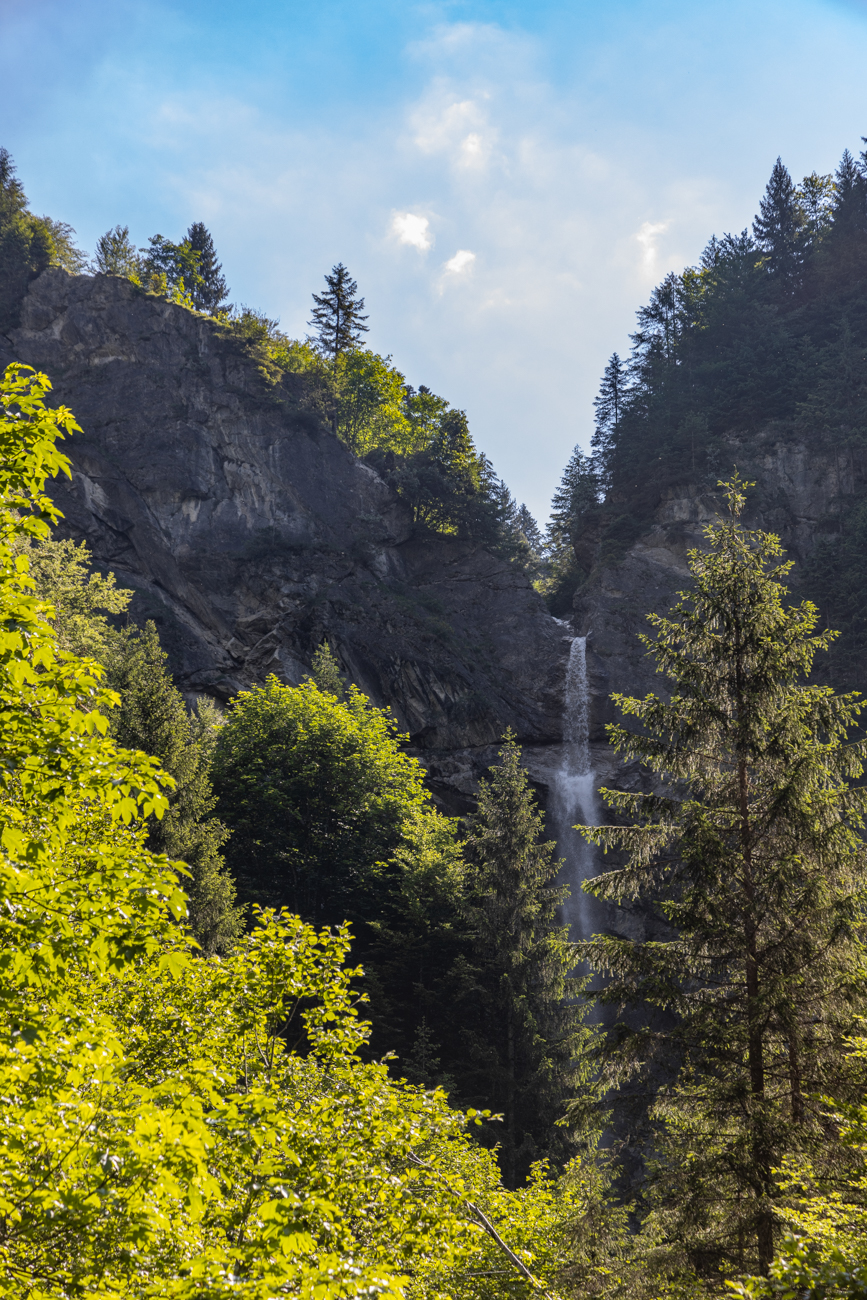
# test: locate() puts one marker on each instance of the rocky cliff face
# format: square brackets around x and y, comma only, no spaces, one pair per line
[250,533]
[798,492]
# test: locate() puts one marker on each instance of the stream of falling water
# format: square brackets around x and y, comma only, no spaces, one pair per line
[575,795]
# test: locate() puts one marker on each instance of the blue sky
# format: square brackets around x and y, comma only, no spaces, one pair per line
[507,181]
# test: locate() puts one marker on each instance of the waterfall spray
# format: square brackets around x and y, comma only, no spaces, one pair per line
[575,793]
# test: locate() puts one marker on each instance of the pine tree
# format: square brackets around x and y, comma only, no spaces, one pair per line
[755,863]
[525,1041]
[660,323]
[153,717]
[116,254]
[609,410]
[774,228]
[211,292]
[337,314]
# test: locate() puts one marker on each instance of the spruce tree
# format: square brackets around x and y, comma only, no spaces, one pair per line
[531,533]
[850,200]
[609,409]
[774,227]
[337,314]
[210,291]
[576,496]
[153,717]
[525,1037]
[755,865]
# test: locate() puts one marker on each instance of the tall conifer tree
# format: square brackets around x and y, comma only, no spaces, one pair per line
[526,1039]
[850,200]
[337,315]
[609,410]
[774,227]
[153,717]
[756,863]
[210,292]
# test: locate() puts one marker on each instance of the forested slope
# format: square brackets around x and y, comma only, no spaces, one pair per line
[756,357]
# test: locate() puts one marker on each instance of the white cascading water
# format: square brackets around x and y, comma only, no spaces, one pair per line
[575,795]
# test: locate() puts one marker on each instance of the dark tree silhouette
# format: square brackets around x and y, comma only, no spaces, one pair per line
[337,318]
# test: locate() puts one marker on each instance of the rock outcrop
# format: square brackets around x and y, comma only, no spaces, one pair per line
[797,495]
[250,533]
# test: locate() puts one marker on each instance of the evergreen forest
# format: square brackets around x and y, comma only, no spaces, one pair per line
[275,1024]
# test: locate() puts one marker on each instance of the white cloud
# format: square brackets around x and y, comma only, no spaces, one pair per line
[460,263]
[411,229]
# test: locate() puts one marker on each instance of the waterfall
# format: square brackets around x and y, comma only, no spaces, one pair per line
[575,795]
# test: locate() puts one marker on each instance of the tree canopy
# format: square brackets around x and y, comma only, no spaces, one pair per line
[752,857]
[175,1126]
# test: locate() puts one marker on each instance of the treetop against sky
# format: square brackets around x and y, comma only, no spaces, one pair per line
[506,181]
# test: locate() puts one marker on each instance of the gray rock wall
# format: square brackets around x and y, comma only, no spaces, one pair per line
[250,533]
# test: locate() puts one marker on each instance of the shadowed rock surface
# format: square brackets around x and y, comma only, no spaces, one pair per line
[249,532]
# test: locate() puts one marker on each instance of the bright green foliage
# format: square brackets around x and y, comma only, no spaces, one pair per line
[370,405]
[79,598]
[316,791]
[117,255]
[189,1128]
[330,818]
[523,1021]
[153,716]
[325,672]
[755,864]
[172,270]
[823,1255]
